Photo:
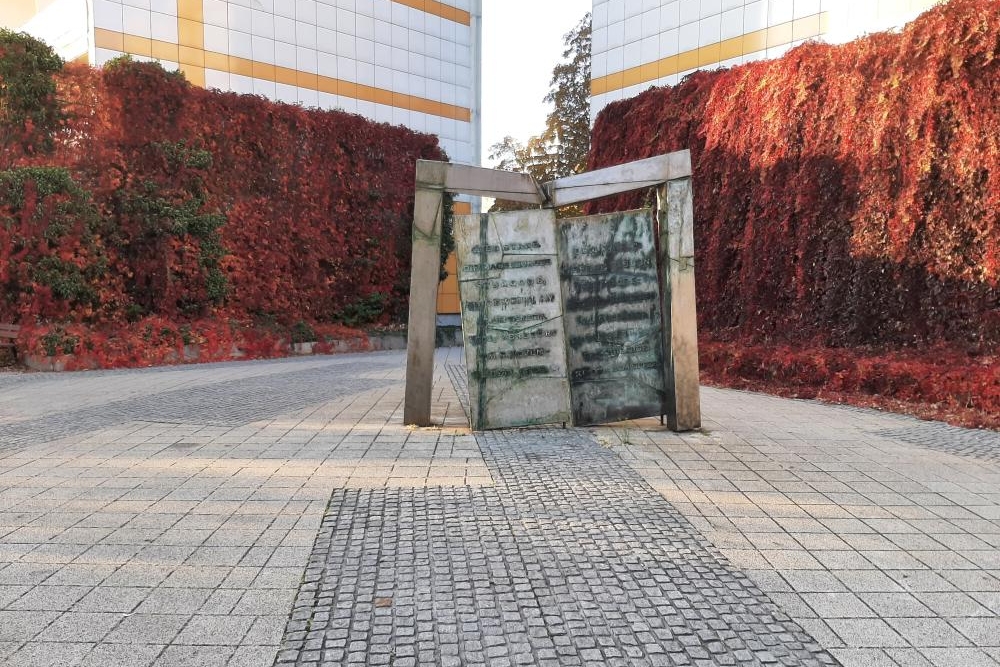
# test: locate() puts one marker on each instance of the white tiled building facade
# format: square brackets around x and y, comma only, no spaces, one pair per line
[406,62]
[643,43]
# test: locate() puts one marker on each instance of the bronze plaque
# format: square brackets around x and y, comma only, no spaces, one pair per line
[612,309]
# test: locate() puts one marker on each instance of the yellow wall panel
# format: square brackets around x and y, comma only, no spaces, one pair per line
[754,41]
[666,66]
[709,55]
[191,33]
[348,89]
[164,50]
[263,71]
[731,48]
[631,77]
[382,97]
[187,55]
[325,84]
[140,46]
[687,60]
[216,61]
[615,81]
[285,76]
[194,73]
[191,10]
[779,35]
[108,39]
[306,80]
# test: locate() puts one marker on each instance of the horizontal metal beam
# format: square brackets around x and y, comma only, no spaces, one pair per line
[513,186]
[621,178]
[482,182]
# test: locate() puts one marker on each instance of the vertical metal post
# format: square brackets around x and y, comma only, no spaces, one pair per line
[675,215]
[428,212]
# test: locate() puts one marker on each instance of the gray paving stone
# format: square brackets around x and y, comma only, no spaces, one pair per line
[20,626]
[231,403]
[206,630]
[195,656]
[928,632]
[954,604]
[864,657]
[78,626]
[147,629]
[866,632]
[979,444]
[128,482]
[567,530]
[982,631]
[959,657]
[837,605]
[253,656]
[121,655]
[48,654]
[49,598]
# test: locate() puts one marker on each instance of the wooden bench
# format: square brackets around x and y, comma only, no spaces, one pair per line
[8,335]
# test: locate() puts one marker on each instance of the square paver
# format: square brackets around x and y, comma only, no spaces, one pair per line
[49,654]
[122,655]
[928,632]
[867,581]
[182,601]
[981,631]
[954,604]
[838,605]
[903,605]
[958,657]
[195,656]
[21,626]
[215,630]
[79,626]
[49,598]
[148,629]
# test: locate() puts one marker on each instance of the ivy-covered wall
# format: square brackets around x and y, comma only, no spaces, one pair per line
[126,194]
[848,193]
[846,197]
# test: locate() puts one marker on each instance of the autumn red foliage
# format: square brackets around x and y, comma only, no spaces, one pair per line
[847,211]
[161,205]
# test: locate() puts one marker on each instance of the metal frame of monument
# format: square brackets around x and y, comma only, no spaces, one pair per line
[670,174]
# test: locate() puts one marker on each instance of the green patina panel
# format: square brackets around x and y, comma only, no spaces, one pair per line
[512,319]
[611,293]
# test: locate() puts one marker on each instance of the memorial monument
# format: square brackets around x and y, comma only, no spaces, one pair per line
[584,321]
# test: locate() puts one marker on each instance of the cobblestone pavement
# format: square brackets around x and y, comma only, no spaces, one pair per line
[571,559]
[214,514]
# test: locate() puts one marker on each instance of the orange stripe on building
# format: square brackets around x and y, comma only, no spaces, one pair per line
[191,40]
[439,9]
[712,54]
[194,61]
[448,301]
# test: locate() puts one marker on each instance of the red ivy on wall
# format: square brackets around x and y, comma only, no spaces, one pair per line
[206,204]
[845,197]
[849,193]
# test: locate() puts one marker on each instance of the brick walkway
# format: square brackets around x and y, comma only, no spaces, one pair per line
[234,514]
